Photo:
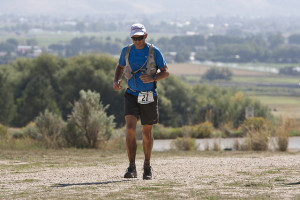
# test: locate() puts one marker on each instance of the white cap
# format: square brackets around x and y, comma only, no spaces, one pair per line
[137,29]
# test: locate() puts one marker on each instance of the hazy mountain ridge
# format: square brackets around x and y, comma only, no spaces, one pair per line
[157,7]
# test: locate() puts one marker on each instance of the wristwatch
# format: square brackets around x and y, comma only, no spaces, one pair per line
[154,77]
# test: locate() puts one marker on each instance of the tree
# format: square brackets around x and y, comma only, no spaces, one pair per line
[32,42]
[217,73]
[275,41]
[6,100]
[294,39]
[37,96]
[182,56]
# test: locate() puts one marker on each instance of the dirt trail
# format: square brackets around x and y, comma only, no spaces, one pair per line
[245,175]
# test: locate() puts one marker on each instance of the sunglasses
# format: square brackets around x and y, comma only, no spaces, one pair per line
[138,38]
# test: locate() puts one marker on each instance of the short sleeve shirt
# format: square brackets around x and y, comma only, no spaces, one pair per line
[137,59]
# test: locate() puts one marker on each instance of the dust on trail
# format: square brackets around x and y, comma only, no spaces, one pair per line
[247,175]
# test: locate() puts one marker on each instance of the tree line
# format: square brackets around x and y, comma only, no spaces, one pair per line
[273,48]
[30,86]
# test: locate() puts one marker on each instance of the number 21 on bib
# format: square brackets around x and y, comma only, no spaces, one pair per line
[145,97]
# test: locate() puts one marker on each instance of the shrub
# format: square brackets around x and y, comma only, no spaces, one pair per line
[18,135]
[175,132]
[202,130]
[282,134]
[161,132]
[32,132]
[229,131]
[89,120]
[50,126]
[258,133]
[184,144]
[17,141]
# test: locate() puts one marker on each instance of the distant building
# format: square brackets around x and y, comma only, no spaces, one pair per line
[3,53]
[23,50]
[249,112]
[28,51]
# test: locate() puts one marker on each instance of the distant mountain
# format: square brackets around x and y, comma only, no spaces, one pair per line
[157,8]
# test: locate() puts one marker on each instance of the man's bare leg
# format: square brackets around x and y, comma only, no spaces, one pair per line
[131,145]
[147,142]
[147,147]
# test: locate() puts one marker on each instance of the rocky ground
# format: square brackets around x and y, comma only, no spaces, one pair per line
[88,174]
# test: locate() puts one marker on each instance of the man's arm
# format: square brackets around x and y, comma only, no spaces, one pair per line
[118,75]
[159,76]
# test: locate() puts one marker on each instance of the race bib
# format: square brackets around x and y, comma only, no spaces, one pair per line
[145,97]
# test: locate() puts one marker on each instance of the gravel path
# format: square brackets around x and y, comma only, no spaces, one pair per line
[191,176]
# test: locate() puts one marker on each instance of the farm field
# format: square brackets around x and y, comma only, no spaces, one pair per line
[44,38]
[278,92]
[93,174]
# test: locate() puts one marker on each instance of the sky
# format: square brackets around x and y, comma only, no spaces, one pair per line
[157,8]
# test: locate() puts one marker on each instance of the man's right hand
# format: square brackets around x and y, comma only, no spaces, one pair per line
[117,85]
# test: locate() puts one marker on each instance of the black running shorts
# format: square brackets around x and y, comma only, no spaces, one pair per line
[147,112]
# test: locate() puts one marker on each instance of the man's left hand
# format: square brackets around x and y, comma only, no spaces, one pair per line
[146,78]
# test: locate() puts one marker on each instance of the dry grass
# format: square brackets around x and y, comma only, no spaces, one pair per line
[282,133]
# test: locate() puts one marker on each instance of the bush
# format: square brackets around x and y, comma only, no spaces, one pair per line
[258,133]
[89,121]
[50,126]
[32,132]
[74,136]
[184,144]
[161,132]
[18,135]
[228,131]
[202,130]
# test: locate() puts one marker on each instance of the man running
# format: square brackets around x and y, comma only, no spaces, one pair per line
[139,62]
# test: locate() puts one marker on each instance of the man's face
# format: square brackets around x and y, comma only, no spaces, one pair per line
[139,41]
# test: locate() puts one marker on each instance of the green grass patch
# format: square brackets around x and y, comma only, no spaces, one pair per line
[294,133]
[270,172]
[264,65]
[258,184]
[271,80]
[30,180]
[271,100]
[279,179]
